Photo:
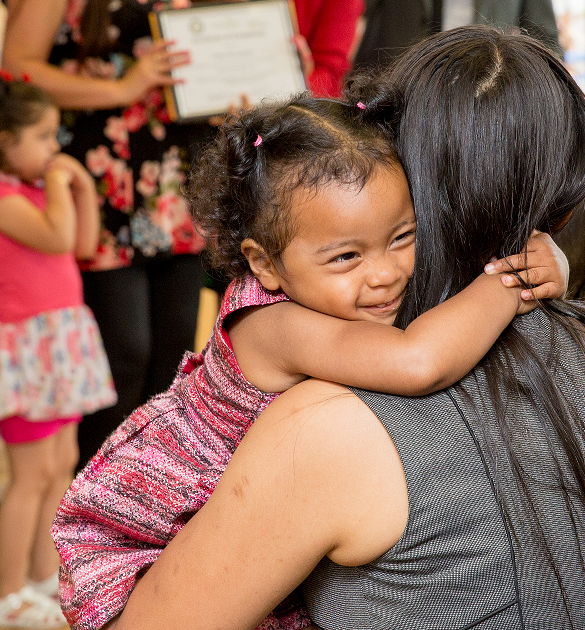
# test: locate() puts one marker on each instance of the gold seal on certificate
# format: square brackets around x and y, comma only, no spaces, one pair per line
[236,49]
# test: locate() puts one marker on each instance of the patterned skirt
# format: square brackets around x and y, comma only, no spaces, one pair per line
[53,365]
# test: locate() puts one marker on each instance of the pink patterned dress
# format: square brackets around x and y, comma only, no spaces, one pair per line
[154,472]
[52,361]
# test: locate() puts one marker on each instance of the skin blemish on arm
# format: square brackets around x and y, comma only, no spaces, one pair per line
[238,488]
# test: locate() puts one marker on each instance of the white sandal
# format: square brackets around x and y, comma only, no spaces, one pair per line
[48,587]
[40,613]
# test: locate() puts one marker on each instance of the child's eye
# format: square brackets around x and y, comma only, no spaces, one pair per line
[344,257]
[406,235]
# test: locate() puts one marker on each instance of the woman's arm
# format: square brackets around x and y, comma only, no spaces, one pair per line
[30,34]
[317,474]
[278,346]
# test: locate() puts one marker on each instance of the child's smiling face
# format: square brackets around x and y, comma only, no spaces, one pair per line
[353,250]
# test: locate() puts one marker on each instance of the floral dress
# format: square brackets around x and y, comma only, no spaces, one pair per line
[137,156]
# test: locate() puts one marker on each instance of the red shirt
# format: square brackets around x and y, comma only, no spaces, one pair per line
[329,26]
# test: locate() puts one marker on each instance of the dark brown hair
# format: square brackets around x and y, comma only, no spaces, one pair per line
[491,134]
[94,27]
[242,186]
[21,104]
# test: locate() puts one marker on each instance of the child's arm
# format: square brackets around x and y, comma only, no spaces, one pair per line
[278,346]
[85,200]
[52,231]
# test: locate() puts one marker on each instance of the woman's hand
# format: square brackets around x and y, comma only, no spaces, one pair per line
[151,70]
[30,36]
[305,54]
[544,266]
[233,111]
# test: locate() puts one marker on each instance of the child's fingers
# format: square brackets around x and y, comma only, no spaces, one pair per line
[540,251]
[511,263]
[540,258]
[534,258]
[544,291]
[543,288]
[533,276]
[543,266]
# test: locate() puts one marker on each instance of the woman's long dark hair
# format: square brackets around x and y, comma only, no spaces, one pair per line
[492,139]
[94,27]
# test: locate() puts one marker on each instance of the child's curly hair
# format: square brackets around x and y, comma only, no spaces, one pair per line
[244,181]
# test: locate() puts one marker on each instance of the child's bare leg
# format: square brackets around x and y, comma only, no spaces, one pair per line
[32,467]
[44,560]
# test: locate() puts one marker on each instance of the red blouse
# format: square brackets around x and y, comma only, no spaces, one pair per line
[329,26]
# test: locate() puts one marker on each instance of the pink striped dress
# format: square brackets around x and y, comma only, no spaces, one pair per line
[154,472]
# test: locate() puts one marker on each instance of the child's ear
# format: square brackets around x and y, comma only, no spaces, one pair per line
[260,265]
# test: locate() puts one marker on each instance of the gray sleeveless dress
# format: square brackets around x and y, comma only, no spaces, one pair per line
[460,564]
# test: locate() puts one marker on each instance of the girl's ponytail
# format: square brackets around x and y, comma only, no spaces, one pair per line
[226,190]
[21,103]
[376,100]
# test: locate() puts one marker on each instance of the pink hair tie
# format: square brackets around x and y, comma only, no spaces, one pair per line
[258,141]
[361,105]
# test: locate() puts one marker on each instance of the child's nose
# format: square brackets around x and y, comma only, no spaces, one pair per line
[383,273]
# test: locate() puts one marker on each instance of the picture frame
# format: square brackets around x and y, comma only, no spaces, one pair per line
[236,49]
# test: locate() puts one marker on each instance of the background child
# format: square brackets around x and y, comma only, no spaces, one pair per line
[314,201]
[52,365]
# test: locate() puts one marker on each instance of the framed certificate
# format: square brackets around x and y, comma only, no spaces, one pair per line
[236,48]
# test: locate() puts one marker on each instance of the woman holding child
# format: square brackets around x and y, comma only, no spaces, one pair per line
[472,514]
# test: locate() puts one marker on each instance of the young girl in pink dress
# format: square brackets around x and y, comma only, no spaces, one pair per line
[52,365]
[311,217]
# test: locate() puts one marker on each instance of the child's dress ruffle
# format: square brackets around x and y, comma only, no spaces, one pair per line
[54,365]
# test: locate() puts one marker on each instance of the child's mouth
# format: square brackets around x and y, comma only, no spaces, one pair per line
[384,307]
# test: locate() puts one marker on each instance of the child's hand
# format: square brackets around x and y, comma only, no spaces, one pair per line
[545,266]
[74,172]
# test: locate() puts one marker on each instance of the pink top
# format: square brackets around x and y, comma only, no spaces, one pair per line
[329,26]
[154,472]
[32,282]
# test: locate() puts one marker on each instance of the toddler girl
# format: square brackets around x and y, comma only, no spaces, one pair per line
[310,214]
[52,364]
